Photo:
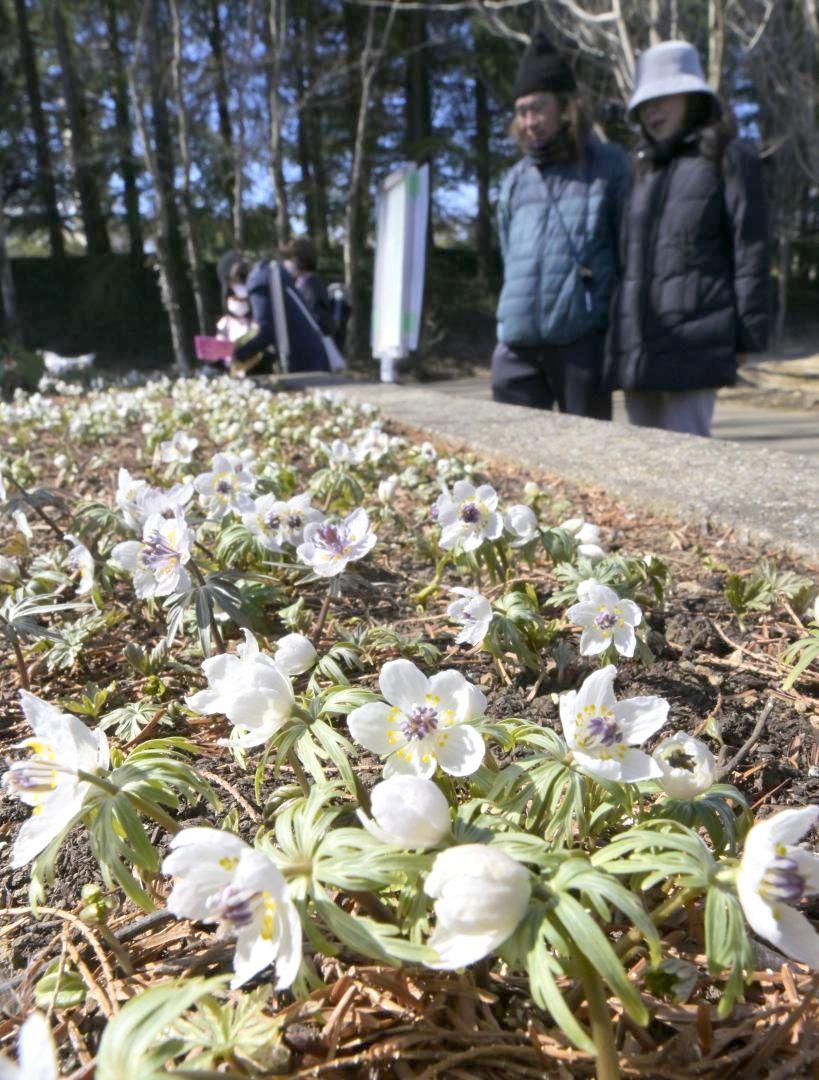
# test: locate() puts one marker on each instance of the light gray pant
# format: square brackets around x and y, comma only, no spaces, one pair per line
[686,411]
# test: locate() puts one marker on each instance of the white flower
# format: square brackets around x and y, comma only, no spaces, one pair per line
[9,569]
[481,894]
[129,498]
[227,487]
[221,879]
[773,875]
[602,733]
[469,516]
[295,654]
[408,812]
[276,522]
[687,766]
[338,453]
[167,503]
[179,450]
[427,451]
[373,445]
[249,689]
[48,780]
[473,612]
[521,522]
[586,536]
[425,722]
[158,560]
[387,488]
[36,1056]
[80,558]
[605,619]
[21,521]
[329,546]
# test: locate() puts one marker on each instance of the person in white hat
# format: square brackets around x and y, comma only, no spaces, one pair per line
[694,292]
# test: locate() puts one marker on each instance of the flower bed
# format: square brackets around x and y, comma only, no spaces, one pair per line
[337,753]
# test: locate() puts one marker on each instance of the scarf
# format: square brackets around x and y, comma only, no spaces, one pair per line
[559,150]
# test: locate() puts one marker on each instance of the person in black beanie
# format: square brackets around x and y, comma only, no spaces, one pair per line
[558,218]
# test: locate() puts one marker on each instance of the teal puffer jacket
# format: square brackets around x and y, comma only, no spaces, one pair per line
[554,220]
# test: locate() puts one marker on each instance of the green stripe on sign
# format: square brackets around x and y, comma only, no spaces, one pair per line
[413,185]
[408,320]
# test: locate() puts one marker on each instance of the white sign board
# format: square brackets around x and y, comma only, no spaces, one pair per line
[400,263]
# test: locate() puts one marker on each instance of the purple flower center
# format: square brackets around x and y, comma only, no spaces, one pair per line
[32,777]
[157,552]
[470,513]
[272,519]
[604,730]
[606,620]
[419,723]
[224,487]
[294,521]
[234,906]
[332,538]
[782,881]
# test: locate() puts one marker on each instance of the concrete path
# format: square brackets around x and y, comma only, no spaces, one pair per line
[762,495]
[796,431]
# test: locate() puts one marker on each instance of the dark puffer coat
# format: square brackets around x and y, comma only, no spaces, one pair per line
[694,290]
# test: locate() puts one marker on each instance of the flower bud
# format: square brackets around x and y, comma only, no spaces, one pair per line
[9,570]
[295,654]
[687,765]
[408,812]
[521,521]
[481,894]
[386,489]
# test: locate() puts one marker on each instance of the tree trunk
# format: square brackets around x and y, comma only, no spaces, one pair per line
[277,32]
[11,320]
[303,145]
[96,234]
[46,188]
[216,42]
[125,137]
[159,162]
[782,284]
[483,172]
[187,216]
[716,41]
[313,122]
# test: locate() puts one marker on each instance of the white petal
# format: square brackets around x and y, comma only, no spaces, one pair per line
[402,684]
[36,1054]
[640,717]
[457,950]
[598,689]
[786,827]
[52,816]
[369,725]
[625,640]
[593,642]
[460,750]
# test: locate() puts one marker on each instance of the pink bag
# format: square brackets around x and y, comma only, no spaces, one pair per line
[211,349]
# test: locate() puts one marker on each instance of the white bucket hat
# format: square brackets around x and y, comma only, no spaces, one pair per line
[673,67]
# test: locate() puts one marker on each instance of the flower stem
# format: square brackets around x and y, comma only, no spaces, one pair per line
[148,808]
[38,510]
[298,772]
[18,655]
[428,590]
[322,616]
[608,1067]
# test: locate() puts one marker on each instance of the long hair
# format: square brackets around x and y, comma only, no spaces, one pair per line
[575,122]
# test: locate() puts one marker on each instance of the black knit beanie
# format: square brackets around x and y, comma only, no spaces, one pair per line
[543,69]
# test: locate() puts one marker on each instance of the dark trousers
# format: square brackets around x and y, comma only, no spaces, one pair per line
[542,376]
